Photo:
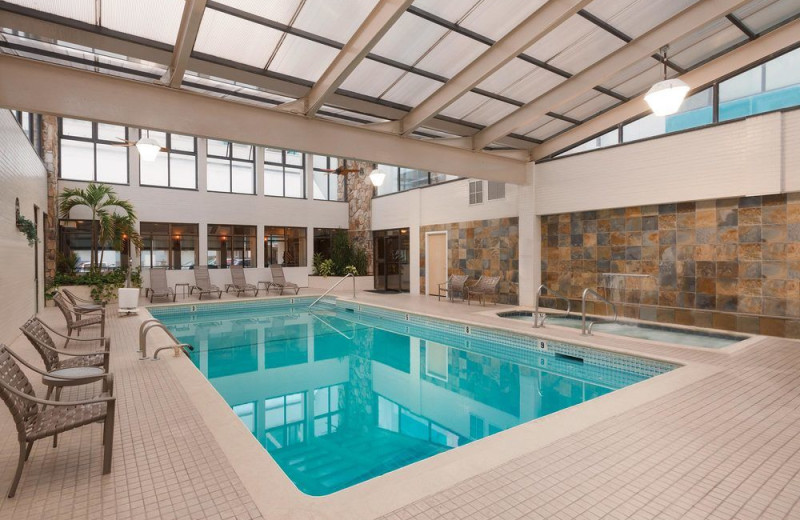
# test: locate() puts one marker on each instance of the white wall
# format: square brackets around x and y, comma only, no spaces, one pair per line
[756,156]
[23,176]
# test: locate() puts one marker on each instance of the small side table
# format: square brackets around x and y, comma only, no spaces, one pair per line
[184,290]
[266,285]
[75,376]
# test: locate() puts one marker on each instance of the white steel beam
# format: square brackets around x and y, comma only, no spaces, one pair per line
[187,34]
[688,20]
[536,26]
[751,52]
[379,20]
[28,85]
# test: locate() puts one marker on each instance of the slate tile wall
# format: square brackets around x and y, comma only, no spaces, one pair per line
[727,263]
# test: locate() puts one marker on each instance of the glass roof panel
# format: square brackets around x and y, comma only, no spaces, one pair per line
[705,43]
[282,11]
[507,75]
[302,58]
[408,39]
[533,126]
[533,85]
[450,11]
[371,78]
[591,107]
[451,54]
[596,45]
[334,20]
[496,18]
[641,82]
[411,89]
[770,15]
[549,129]
[157,20]
[569,33]
[83,10]
[629,72]
[490,112]
[634,18]
[235,39]
[580,100]
[464,105]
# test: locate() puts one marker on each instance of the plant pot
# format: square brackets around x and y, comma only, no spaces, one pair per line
[128,297]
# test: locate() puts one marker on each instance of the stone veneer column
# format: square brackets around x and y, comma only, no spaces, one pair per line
[50,157]
[359,200]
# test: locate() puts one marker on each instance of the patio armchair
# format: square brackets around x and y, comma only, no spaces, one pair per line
[202,283]
[41,337]
[279,280]
[486,287]
[82,305]
[159,288]
[37,418]
[239,282]
[76,321]
[454,285]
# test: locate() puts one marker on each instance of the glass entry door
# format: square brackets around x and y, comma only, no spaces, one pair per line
[391,260]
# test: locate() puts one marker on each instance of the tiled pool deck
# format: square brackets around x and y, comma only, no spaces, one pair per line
[719,438]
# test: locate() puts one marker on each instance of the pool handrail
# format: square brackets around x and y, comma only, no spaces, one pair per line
[555,293]
[153,323]
[588,331]
[332,287]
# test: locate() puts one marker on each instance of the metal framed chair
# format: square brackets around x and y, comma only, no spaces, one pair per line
[202,283]
[486,287]
[76,321]
[239,282]
[454,285]
[279,280]
[159,288]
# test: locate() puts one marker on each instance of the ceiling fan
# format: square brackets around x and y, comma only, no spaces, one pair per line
[375,177]
[340,170]
[147,146]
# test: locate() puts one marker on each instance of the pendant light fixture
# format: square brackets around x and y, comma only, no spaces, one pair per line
[665,97]
[376,177]
[148,148]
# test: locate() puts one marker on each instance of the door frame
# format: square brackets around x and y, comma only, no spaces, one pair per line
[428,258]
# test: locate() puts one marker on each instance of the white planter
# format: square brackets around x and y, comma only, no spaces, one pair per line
[81,291]
[128,297]
[320,283]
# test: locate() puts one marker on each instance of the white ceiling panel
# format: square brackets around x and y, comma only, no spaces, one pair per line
[464,105]
[490,112]
[585,110]
[302,58]
[371,78]
[569,33]
[83,10]
[578,101]
[411,90]
[549,129]
[634,18]
[533,85]
[282,11]
[642,82]
[496,18]
[712,39]
[451,54]
[629,72]
[590,49]
[408,39]
[452,11]
[235,39]
[507,75]
[157,20]
[533,126]
[762,19]
[334,20]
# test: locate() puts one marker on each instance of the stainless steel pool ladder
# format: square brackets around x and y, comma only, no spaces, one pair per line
[543,287]
[332,287]
[147,326]
[587,331]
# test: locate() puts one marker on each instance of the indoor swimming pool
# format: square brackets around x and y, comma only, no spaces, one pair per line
[342,393]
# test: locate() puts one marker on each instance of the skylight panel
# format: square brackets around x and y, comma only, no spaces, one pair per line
[497,18]
[408,39]
[589,108]
[634,18]
[451,54]
[490,112]
[411,90]
[282,11]
[507,75]
[641,82]
[700,45]
[235,39]
[464,105]
[759,20]
[302,58]
[334,20]
[596,45]
[450,11]
[568,107]
[538,82]
[569,33]
[549,129]
[371,78]
[82,10]
[157,20]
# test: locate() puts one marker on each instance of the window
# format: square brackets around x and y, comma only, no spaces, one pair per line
[328,185]
[323,239]
[171,246]
[496,190]
[402,179]
[231,167]
[328,405]
[247,413]
[25,120]
[93,152]
[283,173]
[175,168]
[284,421]
[231,245]
[475,192]
[285,246]
[607,139]
[696,110]
[391,183]
[75,237]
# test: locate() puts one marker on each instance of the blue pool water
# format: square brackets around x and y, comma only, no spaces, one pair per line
[338,396]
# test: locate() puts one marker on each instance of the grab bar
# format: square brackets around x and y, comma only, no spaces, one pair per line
[147,326]
[332,327]
[332,287]
[536,323]
[588,331]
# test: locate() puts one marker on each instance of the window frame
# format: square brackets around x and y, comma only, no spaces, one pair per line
[268,243]
[230,159]
[330,175]
[171,238]
[283,165]
[229,243]
[476,192]
[95,140]
[170,150]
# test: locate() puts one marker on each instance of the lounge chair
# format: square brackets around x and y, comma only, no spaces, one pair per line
[454,285]
[158,285]
[279,280]
[82,305]
[486,287]
[76,321]
[37,418]
[239,282]
[202,283]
